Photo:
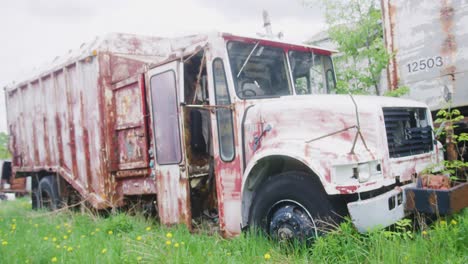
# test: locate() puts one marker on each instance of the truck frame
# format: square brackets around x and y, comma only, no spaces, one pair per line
[241,126]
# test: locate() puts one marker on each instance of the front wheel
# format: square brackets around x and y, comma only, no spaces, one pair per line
[291,206]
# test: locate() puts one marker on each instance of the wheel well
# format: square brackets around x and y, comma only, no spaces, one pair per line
[265,168]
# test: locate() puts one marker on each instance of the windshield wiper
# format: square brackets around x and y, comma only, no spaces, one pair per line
[247,60]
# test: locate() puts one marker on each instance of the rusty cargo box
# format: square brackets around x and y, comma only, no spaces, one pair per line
[441,202]
[84,116]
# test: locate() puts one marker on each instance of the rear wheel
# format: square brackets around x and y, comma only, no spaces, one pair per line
[47,194]
[291,206]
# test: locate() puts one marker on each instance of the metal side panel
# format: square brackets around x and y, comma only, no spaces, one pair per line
[376,213]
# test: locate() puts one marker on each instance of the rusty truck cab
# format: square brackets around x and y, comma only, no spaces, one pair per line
[198,104]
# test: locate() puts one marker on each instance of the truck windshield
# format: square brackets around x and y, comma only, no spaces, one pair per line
[312,73]
[258,71]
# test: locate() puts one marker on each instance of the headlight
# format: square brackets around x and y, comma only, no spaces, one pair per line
[348,174]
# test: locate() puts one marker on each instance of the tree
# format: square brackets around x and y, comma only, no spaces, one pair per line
[4,153]
[356,27]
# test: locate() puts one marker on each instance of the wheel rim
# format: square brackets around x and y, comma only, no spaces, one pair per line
[289,220]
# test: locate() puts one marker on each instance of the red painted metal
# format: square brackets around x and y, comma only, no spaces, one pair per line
[279,44]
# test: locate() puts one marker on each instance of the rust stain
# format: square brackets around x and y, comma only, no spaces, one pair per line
[449,45]
[347,189]
[389,12]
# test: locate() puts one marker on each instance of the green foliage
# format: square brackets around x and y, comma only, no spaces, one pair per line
[4,153]
[400,91]
[448,119]
[119,223]
[452,116]
[356,27]
[67,237]
[403,230]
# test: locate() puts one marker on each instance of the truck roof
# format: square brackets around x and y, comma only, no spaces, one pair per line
[148,49]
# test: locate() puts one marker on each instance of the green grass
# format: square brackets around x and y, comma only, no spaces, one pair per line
[27,236]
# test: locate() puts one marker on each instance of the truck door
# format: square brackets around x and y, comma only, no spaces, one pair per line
[171,178]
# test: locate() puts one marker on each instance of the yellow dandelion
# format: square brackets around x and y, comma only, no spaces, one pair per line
[4,243]
[110,232]
[65,237]
[453,222]
[104,250]
[69,249]
[57,246]
[176,245]
[66,225]
[443,223]
[46,238]
[228,254]
[13,227]
[169,235]
[54,239]
[57,227]
[424,233]
[267,256]
[54,259]
[139,258]
[138,238]
[83,236]
[97,229]
[168,242]
[148,228]
[92,233]
[69,231]
[36,225]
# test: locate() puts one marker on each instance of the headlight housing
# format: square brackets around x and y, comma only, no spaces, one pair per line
[355,173]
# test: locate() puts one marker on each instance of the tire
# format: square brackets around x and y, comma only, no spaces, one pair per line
[291,206]
[35,199]
[47,194]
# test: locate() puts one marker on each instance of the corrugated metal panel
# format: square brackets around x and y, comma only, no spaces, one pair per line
[429,39]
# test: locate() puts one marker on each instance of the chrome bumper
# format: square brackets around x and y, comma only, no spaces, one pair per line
[381,211]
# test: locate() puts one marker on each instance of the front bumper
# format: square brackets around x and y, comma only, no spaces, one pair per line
[381,211]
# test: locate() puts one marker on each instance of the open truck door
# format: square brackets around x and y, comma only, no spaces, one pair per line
[173,191]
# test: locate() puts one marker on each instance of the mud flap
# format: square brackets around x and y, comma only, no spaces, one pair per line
[378,212]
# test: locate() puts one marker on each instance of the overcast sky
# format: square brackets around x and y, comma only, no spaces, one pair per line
[34,32]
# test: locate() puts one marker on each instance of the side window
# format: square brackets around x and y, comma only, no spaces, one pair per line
[166,119]
[223,115]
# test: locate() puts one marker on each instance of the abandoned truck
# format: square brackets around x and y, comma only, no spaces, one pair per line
[222,123]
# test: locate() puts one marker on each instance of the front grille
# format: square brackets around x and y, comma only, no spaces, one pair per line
[408,131]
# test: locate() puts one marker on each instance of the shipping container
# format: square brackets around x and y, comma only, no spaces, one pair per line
[429,40]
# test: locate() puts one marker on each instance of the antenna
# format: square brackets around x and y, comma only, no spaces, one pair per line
[268,29]
[267,24]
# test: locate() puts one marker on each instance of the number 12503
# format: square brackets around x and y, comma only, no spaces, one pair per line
[424,64]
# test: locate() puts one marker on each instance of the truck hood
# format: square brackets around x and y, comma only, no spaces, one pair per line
[321,127]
